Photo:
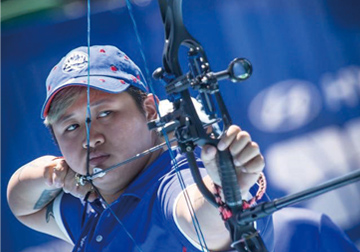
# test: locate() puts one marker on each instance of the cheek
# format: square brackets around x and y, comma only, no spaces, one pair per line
[131,133]
[66,147]
[71,150]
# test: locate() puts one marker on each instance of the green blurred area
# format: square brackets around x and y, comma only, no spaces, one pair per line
[19,14]
[11,9]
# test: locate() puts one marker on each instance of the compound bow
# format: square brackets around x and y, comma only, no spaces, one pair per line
[190,132]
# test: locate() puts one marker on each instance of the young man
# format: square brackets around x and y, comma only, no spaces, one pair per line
[138,206]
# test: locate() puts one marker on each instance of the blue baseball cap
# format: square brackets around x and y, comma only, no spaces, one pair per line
[110,71]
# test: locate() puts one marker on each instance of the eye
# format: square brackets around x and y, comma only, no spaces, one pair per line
[72,127]
[105,113]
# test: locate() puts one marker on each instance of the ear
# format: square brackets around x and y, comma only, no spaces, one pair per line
[150,106]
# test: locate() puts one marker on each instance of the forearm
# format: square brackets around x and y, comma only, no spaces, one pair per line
[213,227]
[28,190]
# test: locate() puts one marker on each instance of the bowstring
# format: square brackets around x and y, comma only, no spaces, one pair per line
[88,112]
[194,218]
[88,127]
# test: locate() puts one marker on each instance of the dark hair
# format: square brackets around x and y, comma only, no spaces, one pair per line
[139,96]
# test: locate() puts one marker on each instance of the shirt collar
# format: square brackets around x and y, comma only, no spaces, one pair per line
[144,180]
[162,165]
[148,176]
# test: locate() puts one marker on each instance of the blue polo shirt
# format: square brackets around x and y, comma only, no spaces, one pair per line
[144,214]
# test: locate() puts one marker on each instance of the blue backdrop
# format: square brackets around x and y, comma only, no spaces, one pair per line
[302,104]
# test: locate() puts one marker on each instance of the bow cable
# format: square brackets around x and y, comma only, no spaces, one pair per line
[88,127]
[194,218]
[88,112]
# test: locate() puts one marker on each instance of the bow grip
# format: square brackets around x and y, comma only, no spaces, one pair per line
[229,181]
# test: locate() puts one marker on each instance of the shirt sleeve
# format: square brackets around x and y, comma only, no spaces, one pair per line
[68,215]
[298,229]
[169,192]
[333,238]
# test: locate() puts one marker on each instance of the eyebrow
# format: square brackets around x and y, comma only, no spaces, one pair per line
[94,104]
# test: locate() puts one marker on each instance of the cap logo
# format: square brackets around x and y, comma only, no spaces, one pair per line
[75,61]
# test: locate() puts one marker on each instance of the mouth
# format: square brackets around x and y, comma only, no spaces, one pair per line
[98,159]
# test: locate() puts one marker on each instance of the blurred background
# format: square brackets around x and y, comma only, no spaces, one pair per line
[302,104]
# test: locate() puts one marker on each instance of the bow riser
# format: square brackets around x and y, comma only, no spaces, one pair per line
[189,129]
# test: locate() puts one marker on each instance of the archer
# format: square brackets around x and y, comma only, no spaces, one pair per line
[139,206]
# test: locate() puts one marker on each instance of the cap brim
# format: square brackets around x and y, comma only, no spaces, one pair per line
[106,84]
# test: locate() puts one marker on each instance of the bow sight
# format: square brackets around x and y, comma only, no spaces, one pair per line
[206,83]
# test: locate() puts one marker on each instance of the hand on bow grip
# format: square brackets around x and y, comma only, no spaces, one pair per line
[247,159]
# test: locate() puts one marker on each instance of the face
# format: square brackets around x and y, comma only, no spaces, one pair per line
[118,131]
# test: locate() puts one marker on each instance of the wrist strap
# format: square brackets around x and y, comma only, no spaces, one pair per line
[225,211]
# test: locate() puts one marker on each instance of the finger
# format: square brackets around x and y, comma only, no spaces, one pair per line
[69,182]
[255,165]
[48,175]
[59,173]
[250,151]
[247,180]
[228,137]
[93,196]
[208,157]
[208,153]
[242,139]
[82,191]
[71,186]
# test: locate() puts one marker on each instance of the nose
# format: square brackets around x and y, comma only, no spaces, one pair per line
[95,139]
